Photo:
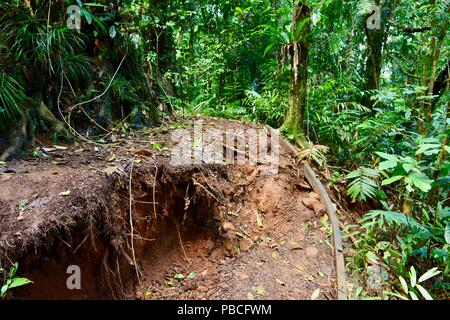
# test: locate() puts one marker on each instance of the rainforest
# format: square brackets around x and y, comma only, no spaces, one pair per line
[225,149]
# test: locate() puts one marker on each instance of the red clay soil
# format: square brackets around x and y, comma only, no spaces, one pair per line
[199,231]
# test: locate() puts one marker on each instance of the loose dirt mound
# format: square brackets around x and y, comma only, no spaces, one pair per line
[197,231]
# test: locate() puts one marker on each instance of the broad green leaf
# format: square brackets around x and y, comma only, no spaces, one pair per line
[18,282]
[421,181]
[372,257]
[179,276]
[387,156]
[408,167]
[447,233]
[391,180]
[389,164]
[426,147]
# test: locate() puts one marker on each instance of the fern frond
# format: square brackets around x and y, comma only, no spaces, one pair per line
[363,185]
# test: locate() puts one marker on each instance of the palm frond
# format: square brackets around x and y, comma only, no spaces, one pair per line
[12,99]
[363,185]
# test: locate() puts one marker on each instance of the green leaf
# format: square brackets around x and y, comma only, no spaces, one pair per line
[424,292]
[404,285]
[112,32]
[100,24]
[191,275]
[447,233]
[13,270]
[156,146]
[413,277]
[18,282]
[421,181]
[268,48]
[387,156]
[389,164]
[413,295]
[92,4]
[87,15]
[3,290]
[429,274]
[397,295]
[391,180]
[426,147]
[372,257]
[363,186]
[111,158]
[179,276]
[408,167]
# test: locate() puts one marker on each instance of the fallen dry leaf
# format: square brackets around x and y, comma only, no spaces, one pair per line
[65,193]
[309,278]
[315,294]
[300,267]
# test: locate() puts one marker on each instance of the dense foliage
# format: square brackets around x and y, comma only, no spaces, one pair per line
[376,97]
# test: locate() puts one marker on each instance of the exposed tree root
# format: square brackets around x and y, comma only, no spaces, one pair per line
[17,139]
[57,126]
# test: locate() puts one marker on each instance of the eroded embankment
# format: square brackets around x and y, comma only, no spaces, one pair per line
[92,230]
[195,232]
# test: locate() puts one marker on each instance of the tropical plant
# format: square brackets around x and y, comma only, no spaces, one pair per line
[11,281]
[363,185]
[12,100]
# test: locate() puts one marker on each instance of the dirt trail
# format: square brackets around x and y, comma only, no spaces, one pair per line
[199,231]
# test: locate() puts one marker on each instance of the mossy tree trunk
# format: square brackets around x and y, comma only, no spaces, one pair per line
[376,41]
[298,50]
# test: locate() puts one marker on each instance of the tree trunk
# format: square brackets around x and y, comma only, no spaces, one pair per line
[376,41]
[17,139]
[298,50]
[430,77]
